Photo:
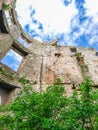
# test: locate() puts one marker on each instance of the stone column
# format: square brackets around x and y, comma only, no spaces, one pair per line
[5,44]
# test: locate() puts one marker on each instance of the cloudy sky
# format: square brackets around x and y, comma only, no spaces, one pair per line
[71,22]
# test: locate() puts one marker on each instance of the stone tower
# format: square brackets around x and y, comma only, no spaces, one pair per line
[41,63]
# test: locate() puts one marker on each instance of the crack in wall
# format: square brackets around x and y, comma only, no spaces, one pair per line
[41,74]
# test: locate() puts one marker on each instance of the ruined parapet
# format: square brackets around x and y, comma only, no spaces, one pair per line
[41,63]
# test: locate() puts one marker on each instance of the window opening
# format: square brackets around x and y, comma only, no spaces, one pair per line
[84,68]
[9,21]
[7,14]
[12,59]
[73,50]
[23,42]
[5,90]
[57,54]
[2,26]
[73,86]
[3,95]
[96,53]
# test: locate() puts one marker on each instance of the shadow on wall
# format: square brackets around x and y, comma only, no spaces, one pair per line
[2,26]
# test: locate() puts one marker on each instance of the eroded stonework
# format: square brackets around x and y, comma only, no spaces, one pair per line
[42,62]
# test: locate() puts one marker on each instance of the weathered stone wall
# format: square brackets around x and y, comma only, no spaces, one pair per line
[9,84]
[0,4]
[42,62]
[5,44]
[91,60]
[3,95]
[45,63]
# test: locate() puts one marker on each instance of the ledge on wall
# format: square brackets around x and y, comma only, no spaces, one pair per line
[7,86]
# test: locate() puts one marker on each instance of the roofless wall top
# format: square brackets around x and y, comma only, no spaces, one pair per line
[40,63]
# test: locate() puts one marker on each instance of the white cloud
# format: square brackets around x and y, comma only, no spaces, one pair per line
[91,7]
[23,11]
[52,14]
[89,27]
[59,19]
[92,33]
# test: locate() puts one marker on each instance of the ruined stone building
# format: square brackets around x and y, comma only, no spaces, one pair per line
[41,63]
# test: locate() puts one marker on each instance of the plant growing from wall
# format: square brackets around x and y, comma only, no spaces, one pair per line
[79,57]
[1,70]
[86,106]
[6,6]
[51,110]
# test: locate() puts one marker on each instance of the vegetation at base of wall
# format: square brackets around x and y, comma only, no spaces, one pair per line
[52,110]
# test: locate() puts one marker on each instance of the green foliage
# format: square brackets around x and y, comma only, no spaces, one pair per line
[78,56]
[23,80]
[51,110]
[1,71]
[6,6]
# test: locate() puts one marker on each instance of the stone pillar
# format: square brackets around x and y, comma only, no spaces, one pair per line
[5,44]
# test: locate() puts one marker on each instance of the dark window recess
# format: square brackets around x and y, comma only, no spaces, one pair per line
[96,86]
[73,50]
[5,90]
[84,68]
[12,59]
[96,53]
[2,26]
[73,86]
[57,54]
[20,50]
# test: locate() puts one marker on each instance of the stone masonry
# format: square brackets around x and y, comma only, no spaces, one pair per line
[42,63]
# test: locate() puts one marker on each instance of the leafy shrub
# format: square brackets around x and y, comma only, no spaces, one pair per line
[51,110]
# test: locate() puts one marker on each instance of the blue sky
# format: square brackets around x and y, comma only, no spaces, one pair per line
[71,22]
[12,59]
